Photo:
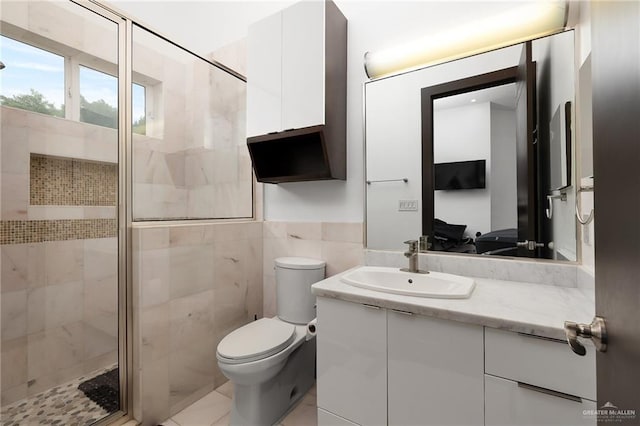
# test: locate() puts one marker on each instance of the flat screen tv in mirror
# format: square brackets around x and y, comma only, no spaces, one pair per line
[460,175]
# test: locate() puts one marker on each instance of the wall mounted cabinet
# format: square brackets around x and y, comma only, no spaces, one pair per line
[296,94]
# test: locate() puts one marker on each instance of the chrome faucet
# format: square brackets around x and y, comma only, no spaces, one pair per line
[415,247]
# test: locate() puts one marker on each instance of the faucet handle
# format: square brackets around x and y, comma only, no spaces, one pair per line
[413,245]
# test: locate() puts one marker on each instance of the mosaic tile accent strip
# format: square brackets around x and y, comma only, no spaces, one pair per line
[37,231]
[70,182]
[62,405]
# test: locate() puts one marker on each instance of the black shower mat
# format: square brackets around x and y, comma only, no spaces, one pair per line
[103,390]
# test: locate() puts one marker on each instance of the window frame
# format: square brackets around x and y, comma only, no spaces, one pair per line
[71,80]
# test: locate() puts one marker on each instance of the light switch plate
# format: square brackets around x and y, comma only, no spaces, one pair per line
[408,206]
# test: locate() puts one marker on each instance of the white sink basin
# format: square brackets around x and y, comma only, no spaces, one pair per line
[393,280]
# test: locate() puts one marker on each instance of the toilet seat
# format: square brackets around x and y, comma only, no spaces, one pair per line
[256,340]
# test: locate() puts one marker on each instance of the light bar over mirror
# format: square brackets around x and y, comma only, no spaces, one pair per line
[522,23]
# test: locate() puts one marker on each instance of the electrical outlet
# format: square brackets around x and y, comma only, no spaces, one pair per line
[408,206]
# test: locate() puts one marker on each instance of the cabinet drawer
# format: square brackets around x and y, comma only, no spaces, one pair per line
[326,418]
[509,404]
[540,362]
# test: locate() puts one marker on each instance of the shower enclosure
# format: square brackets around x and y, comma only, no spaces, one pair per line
[104,124]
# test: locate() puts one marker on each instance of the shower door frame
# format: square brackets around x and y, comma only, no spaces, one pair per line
[125,196]
[124,211]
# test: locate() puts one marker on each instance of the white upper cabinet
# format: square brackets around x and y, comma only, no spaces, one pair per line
[286,70]
[297,94]
[264,68]
[303,70]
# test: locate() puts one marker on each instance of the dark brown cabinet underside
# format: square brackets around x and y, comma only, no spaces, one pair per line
[290,156]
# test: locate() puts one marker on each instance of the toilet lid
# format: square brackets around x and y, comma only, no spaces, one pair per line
[256,340]
[299,263]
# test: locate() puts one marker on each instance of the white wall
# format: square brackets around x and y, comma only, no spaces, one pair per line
[555,64]
[204,26]
[502,180]
[464,134]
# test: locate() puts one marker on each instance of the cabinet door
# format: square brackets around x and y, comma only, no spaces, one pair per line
[436,374]
[303,68]
[264,76]
[352,361]
[510,404]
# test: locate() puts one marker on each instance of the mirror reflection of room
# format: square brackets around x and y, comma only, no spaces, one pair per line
[475,170]
[495,200]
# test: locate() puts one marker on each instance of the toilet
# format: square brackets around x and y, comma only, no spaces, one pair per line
[271,361]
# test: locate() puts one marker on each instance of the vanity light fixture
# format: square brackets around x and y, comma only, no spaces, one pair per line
[514,26]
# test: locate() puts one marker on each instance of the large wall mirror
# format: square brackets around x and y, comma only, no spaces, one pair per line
[477,153]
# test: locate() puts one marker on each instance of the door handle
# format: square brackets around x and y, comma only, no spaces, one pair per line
[596,331]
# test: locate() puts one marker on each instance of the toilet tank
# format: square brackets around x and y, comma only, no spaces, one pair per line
[294,276]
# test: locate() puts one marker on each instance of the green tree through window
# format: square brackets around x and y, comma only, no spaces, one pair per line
[34,101]
[33,80]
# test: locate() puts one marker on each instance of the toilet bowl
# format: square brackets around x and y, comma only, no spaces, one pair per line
[271,361]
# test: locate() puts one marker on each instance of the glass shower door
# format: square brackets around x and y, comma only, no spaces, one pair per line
[59,217]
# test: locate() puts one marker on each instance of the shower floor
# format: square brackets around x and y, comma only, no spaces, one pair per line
[63,405]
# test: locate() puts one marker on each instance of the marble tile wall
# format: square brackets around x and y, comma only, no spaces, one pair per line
[197,165]
[59,313]
[339,244]
[59,263]
[92,34]
[24,133]
[193,284]
[36,231]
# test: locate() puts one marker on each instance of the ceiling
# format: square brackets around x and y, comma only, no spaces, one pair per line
[504,95]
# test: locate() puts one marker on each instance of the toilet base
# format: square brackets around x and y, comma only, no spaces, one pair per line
[264,404]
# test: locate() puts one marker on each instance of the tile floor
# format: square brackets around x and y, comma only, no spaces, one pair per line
[62,405]
[214,409]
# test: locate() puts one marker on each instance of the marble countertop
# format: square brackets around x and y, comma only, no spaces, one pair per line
[515,306]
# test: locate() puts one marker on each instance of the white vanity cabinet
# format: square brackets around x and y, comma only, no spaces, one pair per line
[531,380]
[435,371]
[509,403]
[425,370]
[352,362]
[380,366]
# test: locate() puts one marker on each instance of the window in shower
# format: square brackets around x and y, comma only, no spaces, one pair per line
[98,98]
[33,78]
[193,162]
[139,118]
